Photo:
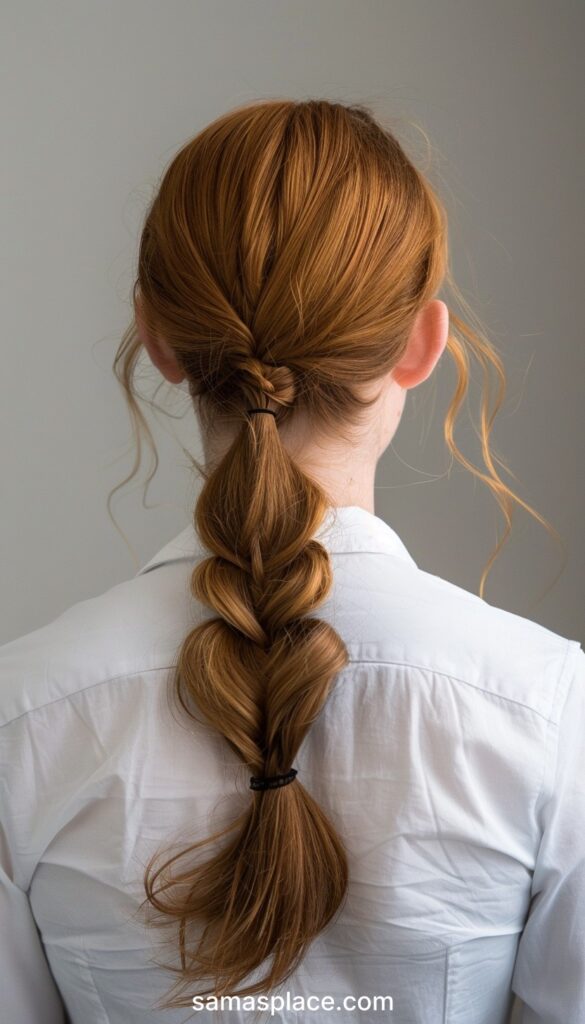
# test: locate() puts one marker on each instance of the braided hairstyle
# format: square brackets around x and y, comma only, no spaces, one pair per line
[284,258]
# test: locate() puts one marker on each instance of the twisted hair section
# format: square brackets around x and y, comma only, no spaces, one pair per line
[284,258]
[260,672]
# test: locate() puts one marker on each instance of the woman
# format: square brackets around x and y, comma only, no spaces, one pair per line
[364,799]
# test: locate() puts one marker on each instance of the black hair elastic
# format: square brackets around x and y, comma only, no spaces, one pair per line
[271,411]
[272,781]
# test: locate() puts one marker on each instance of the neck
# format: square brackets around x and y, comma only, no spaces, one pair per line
[347,473]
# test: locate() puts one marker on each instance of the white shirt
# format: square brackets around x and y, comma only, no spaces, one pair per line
[450,756]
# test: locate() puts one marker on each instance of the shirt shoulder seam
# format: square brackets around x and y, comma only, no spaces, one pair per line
[85,689]
[466,682]
[352,661]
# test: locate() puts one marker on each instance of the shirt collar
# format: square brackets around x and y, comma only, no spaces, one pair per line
[345,528]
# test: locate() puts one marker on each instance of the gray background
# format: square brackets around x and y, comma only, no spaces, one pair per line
[97,98]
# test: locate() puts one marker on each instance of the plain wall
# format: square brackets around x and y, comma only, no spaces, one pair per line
[99,96]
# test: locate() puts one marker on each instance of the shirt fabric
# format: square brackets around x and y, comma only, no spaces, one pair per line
[450,756]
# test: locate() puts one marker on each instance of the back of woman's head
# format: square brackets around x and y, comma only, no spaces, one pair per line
[284,258]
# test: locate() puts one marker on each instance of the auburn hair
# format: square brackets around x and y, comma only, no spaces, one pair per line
[284,257]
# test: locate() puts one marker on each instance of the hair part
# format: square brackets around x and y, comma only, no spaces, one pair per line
[284,258]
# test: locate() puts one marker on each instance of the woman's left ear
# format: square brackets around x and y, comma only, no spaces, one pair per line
[426,345]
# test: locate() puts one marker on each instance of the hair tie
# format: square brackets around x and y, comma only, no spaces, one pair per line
[271,411]
[272,781]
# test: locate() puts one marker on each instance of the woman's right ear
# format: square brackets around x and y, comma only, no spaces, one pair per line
[158,350]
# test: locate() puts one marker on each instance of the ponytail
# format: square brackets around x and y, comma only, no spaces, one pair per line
[260,673]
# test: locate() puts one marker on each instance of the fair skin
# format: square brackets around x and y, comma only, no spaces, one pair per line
[347,472]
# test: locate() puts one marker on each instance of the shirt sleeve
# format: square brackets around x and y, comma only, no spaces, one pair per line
[549,973]
[29,993]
